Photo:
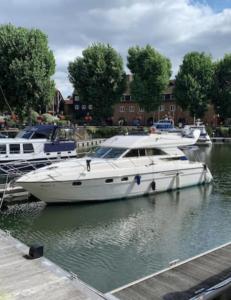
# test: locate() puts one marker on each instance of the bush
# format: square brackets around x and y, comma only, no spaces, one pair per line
[49,118]
[223,131]
[209,130]
[105,132]
[34,116]
[62,122]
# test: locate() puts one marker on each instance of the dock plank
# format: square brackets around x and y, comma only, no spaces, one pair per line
[182,281]
[39,279]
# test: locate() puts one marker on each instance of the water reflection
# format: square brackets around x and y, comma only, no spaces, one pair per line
[112,243]
[111,236]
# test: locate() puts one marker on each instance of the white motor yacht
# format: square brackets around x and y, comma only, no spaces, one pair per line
[123,166]
[204,138]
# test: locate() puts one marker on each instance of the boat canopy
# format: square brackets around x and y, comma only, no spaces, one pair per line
[37,132]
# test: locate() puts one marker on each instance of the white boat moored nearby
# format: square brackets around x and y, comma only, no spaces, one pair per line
[36,146]
[123,166]
[204,138]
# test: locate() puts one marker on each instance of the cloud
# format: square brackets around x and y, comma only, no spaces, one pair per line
[172,27]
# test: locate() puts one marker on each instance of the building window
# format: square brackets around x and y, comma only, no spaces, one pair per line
[76,98]
[172,107]
[90,107]
[141,109]
[77,107]
[122,109]
[131,108]
[126,98]
[161,108]
[167,96]
[84,107]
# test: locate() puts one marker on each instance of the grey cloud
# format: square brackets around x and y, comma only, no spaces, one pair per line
[172,27]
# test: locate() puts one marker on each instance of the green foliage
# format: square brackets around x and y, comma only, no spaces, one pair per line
[222,131]
[193,83]
[98,78]
[26,65]
[34,116]
[105,132]
[221,89]
[49,118]
[209,130]
[151,73]
[62,122]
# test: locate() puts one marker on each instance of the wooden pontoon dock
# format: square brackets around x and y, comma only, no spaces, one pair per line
[40,279]
[206,276]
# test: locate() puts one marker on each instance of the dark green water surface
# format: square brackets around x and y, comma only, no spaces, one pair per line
[113,243]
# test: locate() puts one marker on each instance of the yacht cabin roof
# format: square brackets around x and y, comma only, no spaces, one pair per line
[150,141]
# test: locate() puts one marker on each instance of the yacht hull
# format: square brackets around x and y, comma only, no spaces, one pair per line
[109,188]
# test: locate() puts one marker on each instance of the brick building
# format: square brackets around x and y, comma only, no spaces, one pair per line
[128,111]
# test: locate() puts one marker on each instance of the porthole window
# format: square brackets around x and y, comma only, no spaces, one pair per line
[109,180]
[77,183]
[124,179]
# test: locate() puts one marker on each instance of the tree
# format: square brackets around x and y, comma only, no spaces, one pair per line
[151,73]
[26,65]
[221,88]
[193,83]
[98,78]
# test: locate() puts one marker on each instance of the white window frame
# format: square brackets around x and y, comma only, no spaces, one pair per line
[161,107]
[131,108]
[122,108]
[172,107]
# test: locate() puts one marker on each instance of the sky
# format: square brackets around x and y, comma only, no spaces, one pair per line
[172,27]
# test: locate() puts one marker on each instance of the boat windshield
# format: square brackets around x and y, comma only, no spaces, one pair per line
[25,134]
[107,152]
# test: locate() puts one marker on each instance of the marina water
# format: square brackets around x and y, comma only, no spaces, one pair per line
[110,244]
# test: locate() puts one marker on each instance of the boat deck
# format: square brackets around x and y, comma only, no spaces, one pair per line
[187,280]
[22,278]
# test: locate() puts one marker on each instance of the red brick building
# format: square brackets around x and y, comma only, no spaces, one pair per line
[128,111]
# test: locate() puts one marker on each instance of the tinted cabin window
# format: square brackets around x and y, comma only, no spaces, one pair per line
[142,152]
[154,151]
[28,148]
[14,148]
[38,135]
[2,149]
[132,153]
[135,153]
[114,153]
